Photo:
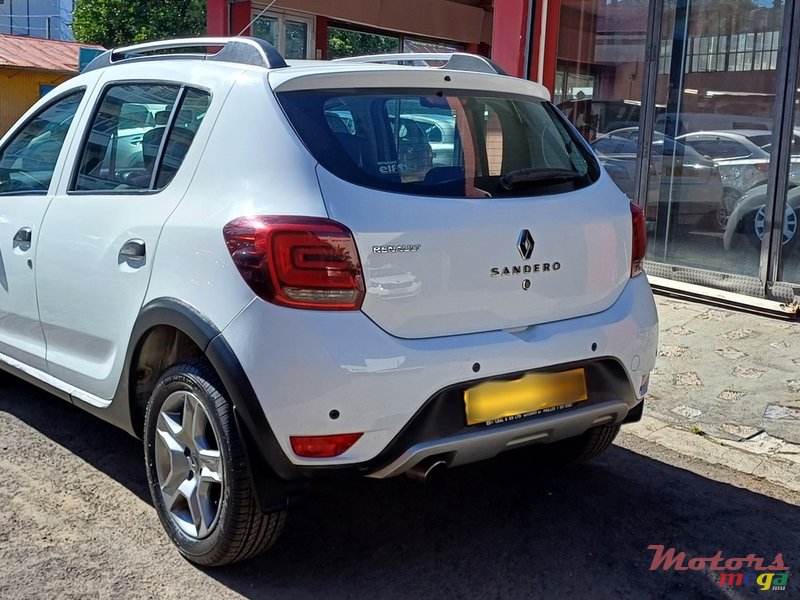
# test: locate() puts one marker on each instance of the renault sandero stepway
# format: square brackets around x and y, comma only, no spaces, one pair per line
[268,273]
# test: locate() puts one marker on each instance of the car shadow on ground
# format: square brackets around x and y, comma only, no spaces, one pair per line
[507,528]
[82,434]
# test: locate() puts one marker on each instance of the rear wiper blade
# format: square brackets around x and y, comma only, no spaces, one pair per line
[510,179]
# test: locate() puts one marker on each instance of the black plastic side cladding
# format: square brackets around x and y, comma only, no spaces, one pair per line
[267,462]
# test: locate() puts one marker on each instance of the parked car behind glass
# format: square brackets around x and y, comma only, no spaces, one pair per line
[748,217]
[678,174]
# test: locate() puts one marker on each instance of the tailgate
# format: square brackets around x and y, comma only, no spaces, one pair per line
[445,266]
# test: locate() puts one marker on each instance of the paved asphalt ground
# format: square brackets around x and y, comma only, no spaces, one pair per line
[76,522]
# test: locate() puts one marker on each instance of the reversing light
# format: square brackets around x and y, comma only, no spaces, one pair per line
[323,446]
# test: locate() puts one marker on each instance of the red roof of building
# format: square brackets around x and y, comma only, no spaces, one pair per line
[23,52]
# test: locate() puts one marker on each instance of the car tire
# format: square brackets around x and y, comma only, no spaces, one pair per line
[723,212]
[584,447]
[791,224]
[198,473]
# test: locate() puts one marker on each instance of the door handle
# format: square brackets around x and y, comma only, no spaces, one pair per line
[22,239]
[133,252]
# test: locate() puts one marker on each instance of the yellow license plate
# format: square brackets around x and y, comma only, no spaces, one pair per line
[498,400]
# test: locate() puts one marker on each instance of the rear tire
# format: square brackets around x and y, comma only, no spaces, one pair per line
[198,472]
[586,446]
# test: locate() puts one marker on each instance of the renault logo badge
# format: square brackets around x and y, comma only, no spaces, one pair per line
[525,244]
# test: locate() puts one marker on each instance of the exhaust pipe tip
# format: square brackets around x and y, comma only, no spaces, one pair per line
[423,470]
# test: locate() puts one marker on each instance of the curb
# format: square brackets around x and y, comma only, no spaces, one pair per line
[780,471]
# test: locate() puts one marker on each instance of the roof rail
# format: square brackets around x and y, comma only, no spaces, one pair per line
[242,50]
[456,61]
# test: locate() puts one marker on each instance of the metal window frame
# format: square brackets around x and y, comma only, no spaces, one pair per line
[282,16]
[778,181]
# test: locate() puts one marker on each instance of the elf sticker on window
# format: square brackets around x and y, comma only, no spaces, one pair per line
[392,166]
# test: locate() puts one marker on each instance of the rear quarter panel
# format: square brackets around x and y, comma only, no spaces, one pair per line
[253,164]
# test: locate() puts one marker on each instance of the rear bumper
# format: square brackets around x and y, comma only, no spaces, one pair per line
[482,444]
[407,395]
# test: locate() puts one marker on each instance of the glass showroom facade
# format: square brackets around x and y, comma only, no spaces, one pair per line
[706,92]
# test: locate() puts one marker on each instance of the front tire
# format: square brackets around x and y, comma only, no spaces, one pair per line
[757,223]
[198,472]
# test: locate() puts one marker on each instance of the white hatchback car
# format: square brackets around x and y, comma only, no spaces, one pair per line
[268,283]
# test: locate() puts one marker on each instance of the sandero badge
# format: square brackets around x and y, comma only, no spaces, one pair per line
[525,244]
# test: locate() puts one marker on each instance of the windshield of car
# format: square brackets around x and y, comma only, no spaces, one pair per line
[458,144]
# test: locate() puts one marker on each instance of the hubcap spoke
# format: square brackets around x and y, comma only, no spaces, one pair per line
[170,460]
[201,512]
[210,466]
[789,224]
[170,496]
[198,428]
[190,410]
[759,223]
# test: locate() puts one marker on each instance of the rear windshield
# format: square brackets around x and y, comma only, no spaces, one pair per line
[460,144]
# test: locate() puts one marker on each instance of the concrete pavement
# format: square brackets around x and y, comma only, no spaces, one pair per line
[726,390]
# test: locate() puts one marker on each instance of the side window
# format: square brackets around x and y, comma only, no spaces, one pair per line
[732,149]
[190,114]
[434,134]
[29,159]
[126,150]
[719,148]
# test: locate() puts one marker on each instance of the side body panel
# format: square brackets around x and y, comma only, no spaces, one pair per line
[21,336]
[89,293]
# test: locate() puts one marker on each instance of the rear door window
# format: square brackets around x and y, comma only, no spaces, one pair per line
[465,144]
[139,137]
[719,147]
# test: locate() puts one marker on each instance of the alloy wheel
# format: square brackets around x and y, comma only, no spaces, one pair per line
[789,224]
[189,464]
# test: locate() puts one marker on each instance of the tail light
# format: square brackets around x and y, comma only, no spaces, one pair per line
[300,262]
[763,167]
[639,235]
